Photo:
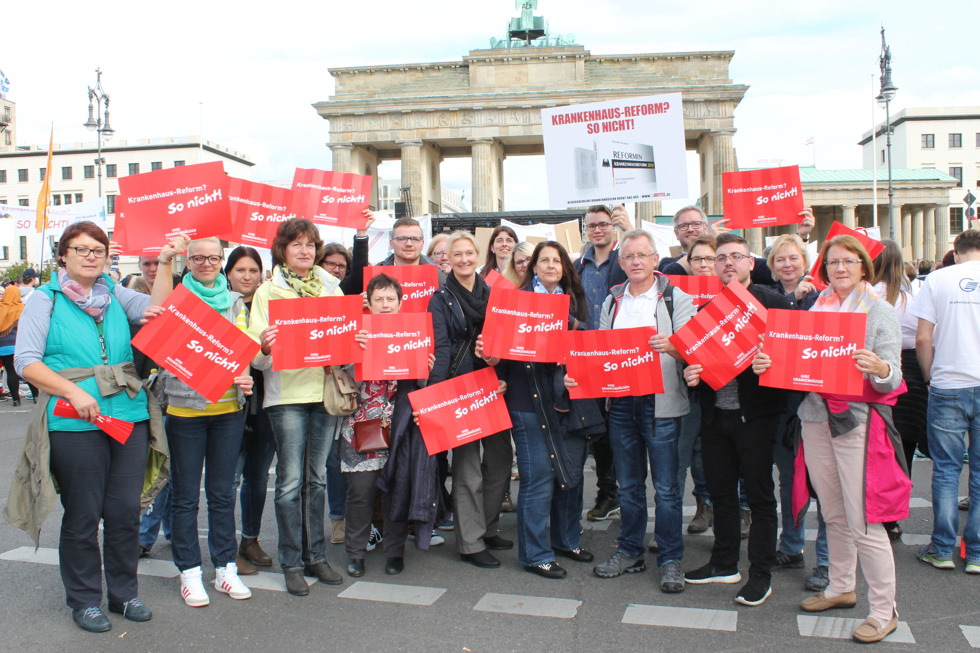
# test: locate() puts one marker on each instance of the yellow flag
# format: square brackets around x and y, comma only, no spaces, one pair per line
[43,198]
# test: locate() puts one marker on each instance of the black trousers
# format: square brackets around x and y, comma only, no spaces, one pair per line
[604,470]
[99,479]
[732,448]
[13,381]
[361,490]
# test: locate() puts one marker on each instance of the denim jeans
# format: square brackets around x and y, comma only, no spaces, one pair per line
[258,450]
[689,452]
[636,436]
[208,444]
[541,497]
[954,427]
[302,433]
[155,517]
[791,538]
[336,483]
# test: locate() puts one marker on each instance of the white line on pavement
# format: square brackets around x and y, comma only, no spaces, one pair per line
[841,628]
[972,634]
[534,606]
[389,593]
[659,615]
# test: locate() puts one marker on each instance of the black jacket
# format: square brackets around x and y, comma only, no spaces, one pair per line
[450,336]
[353,283]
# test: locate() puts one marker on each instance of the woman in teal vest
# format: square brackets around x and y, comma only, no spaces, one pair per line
[74,344]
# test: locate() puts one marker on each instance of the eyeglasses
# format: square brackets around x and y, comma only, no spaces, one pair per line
[691,226]
[408,239]
[595,226]
[335,266]
[97,252]
[636,257]
[702,259]
[199,259]
[735,258]
[846,262]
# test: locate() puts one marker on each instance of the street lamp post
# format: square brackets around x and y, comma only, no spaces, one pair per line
[99,119]
[887,94]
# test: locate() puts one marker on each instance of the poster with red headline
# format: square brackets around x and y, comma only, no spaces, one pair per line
[418,282]
[257,210]
[762,198]
[495,279]
[613,363]
[724,335]
[460,410]
[197,344]
[334,199]
[813,351]
[315,331]
[873,246]
[522,325]
[158,206]
[117,429]
[702,289]
[398,347]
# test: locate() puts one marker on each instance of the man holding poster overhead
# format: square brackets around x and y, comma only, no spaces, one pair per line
[738,431]
[645,428]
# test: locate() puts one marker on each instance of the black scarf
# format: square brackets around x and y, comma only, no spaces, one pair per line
[474,304]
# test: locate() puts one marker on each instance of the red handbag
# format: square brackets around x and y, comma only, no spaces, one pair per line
[370,435]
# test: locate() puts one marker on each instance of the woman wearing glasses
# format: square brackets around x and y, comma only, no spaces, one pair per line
[74,337]
[852,450]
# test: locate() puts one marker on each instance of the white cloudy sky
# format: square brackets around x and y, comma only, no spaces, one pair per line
[245,74]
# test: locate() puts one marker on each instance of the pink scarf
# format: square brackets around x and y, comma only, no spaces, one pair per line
[859,301]
[95,302]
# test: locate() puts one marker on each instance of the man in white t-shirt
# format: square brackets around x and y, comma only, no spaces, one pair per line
[948,349]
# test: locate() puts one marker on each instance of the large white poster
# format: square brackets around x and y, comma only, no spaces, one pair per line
[627,150]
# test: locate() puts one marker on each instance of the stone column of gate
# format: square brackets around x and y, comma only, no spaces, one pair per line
[646,211]
[906,229]
[342,156]
[942,230]
[723,158]
[412,173]
[929,234]
[484,174]
[916,241]
[849,217]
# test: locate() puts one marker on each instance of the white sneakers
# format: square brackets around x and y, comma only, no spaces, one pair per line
[226,580]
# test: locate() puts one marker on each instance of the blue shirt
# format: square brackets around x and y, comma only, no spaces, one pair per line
[595,282]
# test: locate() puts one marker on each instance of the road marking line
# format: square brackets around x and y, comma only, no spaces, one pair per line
[533,606]
[389,593]
[659,615]
[272,581]
[841,628]
[972,634]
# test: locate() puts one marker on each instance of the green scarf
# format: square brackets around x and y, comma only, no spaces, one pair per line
[217,297]
[309,286]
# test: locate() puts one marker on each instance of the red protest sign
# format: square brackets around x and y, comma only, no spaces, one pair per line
[315,331]
[724,335]
[257,210]
[702,289]
[812,351]
[460,410]
[160,205]
[873,246]
[197,344]
[117,429]
[522,325]
[398,347]
[335,199]
[418,282]
[762,198]
[613,363]
[495,279]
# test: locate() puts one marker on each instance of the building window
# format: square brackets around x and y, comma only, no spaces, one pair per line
[56,200]
[110,203]
[78,198]
[89,172]
[882,156]
[67,198]
[955,219]
[978,139]
[23,202]
[134,168]
[956,140]
[43,172]
[22,174]
[957,171]
[3,176]
[110,170]
[23,247]
[928,141]
[66,172]
[158,165]
[177,164]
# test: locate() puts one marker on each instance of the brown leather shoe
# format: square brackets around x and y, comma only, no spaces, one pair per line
[245,568]
[337,531]
[252,551]
[820,602]
[872,631]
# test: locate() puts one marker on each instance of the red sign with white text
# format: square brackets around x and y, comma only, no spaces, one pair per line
[315,331]
[762,198]
[522,325]
[813,351]
[702,289]
[495,279]
[257,210]
[197,344]
[117,429]
[460,410]
[418,282]
[158,206]
[335,199]
[613,363]
[724,335]
[398,347]
[873,246]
